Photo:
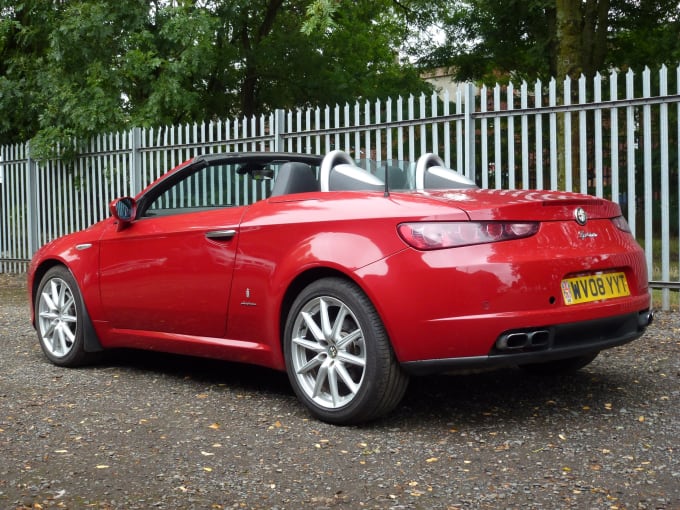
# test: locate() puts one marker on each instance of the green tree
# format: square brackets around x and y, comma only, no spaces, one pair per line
[24,44]
[80,67]
[494,41]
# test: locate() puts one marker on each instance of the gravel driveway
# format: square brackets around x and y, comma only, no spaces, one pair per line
[144,431]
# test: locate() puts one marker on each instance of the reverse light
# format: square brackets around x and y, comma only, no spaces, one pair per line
[621,223]
[438,235]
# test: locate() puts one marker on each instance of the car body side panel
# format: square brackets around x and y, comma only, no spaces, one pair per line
[164,274]
[279,242]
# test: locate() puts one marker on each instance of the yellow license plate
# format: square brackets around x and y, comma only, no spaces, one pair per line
[594,287]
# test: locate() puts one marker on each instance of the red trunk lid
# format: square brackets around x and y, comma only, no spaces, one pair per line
[531,205]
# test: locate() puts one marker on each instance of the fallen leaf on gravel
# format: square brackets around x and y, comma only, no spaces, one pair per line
[431,460]
[102,466]
[214,426]
[641,419]
[207,469]
[207,454]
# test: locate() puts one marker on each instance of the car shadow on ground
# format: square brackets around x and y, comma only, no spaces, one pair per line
[466,399]
[510,394]
[203,371]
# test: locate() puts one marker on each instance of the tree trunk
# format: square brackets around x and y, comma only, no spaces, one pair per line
[569,29]
[251,37]
[568,64]
[582,49]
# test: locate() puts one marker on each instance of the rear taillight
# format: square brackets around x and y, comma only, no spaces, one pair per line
[438,235]
[621,223]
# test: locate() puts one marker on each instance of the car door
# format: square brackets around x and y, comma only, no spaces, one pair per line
[170,270]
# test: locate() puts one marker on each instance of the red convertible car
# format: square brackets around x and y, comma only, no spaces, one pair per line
[349,279]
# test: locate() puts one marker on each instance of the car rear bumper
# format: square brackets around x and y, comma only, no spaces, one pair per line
[537,345]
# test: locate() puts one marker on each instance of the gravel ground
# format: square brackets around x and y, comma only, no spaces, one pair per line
[144,431]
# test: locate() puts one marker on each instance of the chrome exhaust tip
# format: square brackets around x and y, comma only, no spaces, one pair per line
[535,339]
[645,319]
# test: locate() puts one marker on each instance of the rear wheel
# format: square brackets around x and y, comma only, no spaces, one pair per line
[59,319]
[338,357]
[560,366]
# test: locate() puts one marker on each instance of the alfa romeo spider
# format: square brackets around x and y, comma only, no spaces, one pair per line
[350,279]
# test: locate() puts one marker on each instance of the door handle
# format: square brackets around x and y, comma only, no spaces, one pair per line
[221,235]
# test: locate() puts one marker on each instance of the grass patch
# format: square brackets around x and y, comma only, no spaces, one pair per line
[674,272]
[673,299]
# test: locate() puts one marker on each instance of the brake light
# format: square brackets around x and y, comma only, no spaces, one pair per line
[439,235]
[621,223]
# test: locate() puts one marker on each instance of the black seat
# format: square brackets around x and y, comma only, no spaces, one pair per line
[294,177]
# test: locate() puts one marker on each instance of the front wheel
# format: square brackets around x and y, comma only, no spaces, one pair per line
[338,356]
[59,319]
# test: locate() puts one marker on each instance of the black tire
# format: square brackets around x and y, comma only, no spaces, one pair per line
[59,319]
[561,366]
[338,356]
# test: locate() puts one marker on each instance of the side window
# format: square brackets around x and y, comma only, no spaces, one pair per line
[213,186]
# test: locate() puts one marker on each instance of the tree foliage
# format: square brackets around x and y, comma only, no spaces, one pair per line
[70,69]
[73,68]
[528,39]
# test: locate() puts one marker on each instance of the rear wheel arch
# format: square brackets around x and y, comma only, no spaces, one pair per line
[298,285]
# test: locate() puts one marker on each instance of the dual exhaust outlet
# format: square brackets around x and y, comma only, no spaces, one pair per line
[542,338]
[522,340]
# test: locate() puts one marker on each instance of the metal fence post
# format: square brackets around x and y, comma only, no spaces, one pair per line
[31,202]
[2,212]
[469,131]
[136,182]
[279,129]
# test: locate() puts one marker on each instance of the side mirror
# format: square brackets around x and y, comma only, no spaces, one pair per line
[124,210]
